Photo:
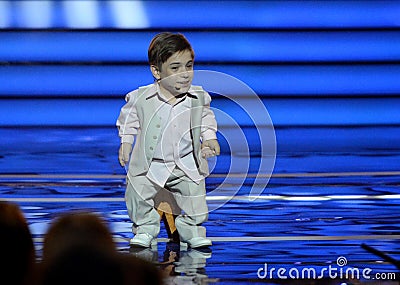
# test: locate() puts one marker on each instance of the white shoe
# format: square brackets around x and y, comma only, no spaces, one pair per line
[143,240]
[199,242]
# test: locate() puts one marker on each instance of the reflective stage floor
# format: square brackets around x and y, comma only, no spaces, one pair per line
[330,212]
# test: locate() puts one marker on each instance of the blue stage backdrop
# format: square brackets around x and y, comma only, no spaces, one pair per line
[313,63]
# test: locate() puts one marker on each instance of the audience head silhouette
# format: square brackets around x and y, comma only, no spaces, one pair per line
[77,229]
[16,246]
[79,249]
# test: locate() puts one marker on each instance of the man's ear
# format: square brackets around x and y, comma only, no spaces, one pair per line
[155,71]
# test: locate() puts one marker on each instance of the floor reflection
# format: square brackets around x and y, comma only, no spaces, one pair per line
[179,265]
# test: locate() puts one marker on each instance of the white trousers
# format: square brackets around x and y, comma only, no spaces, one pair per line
[189,196]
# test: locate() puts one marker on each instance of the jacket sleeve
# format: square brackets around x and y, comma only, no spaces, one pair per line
[208,123]
[128,121]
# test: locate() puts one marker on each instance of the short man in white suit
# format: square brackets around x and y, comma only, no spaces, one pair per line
[175,131]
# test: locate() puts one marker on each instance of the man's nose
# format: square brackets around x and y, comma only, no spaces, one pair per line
[185,74]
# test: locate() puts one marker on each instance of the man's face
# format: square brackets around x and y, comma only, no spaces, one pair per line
[176,73]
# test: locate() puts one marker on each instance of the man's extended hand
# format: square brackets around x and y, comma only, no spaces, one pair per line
[210,148]
[124,153]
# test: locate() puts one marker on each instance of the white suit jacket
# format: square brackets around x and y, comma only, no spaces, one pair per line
[138,117]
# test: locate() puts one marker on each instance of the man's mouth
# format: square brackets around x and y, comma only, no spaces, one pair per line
[182,85]
[184,82]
